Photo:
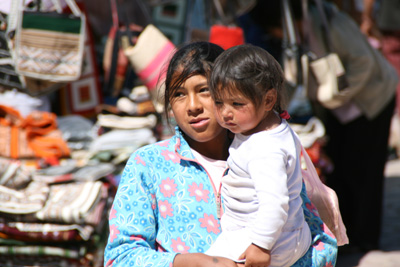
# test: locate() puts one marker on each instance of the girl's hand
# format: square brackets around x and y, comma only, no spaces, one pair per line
[256,256]
[203,260]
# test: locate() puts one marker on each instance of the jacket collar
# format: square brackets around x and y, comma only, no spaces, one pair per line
[182,147]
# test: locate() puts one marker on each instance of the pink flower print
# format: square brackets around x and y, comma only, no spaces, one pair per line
[113,213]
[136,237]
[168,155]
[165,208]
[109,263]
[113,232]
[168,187]
[198,192]
[139,160]
[179,246]
[210,223]
[163,143]
[329,264]
[319,246]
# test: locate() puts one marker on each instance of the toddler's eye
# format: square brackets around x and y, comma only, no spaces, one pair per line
[218,103]
[237,104]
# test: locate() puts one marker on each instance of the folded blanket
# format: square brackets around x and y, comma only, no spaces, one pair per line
[28,200]
[70,203]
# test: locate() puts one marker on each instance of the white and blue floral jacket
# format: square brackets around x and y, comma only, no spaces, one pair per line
[166,204]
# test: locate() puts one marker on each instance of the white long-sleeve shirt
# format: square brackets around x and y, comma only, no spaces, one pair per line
[261,194]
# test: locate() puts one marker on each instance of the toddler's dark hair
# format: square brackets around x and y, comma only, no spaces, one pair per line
[252,71]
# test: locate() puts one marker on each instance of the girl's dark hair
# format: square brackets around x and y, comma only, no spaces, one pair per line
[189,60]
[252,71]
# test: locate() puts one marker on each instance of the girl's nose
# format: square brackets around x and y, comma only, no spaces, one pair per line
[194,104]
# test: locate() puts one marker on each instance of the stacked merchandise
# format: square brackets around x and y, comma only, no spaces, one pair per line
[53,208]
[54,216]
[125,127]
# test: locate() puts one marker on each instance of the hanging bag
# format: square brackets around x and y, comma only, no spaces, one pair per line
[326,79]
[50,45]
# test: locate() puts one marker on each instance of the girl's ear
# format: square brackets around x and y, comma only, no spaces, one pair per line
[270,99]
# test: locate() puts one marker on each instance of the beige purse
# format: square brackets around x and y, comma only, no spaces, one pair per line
[149,56]
[326,77]
[330,80]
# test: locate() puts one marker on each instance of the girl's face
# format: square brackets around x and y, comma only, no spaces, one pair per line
[238,114]
[193,109]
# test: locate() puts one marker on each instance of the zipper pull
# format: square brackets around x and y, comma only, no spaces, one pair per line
[219,205]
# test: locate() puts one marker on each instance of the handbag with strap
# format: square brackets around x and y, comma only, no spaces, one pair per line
[148,57]
[324,75]
[50,45]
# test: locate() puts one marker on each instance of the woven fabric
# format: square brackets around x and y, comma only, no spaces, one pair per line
[70,203]
[29,200]
[44,232]
[50,46]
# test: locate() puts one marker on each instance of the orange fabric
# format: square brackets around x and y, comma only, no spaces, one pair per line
[37,135]
[14,142]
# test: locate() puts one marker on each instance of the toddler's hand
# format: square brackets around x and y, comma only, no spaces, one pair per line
[256,256]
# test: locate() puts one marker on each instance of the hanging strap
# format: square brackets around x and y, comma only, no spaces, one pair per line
[189,13]
[310,41]
[288,26]
[12,18]
[325,25]
[115,47]
[291,38]
[225,20]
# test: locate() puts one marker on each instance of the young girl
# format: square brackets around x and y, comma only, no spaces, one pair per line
[263,220]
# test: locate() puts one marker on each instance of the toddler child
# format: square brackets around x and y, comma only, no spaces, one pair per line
[263,221]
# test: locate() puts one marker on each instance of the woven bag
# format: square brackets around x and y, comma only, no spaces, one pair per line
[50,45]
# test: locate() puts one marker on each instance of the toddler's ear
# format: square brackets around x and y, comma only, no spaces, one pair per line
[270,99]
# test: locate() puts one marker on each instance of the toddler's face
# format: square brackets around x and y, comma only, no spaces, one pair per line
[238,114]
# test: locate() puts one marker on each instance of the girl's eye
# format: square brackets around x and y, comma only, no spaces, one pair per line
[178,94]
[204,89]
[218,103]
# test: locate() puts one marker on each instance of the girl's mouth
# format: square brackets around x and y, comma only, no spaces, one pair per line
[197,123]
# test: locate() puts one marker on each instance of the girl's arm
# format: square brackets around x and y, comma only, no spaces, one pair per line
[202,260]
[132,222]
